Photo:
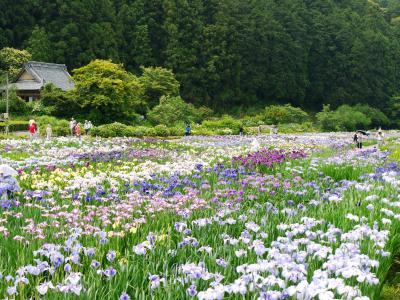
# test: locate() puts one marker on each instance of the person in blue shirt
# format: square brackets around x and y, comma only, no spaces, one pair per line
[188,130]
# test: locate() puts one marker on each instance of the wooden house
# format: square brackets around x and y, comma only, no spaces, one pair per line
[35,75]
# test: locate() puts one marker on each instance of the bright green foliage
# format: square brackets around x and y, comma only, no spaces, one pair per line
[108,90]
[158,82]
[11,60]
[173,110]
[112,130]
[276,114]
[343,118]
[225,125]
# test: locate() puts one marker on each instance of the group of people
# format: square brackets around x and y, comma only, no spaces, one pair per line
[76,127]
[359,137]
[33,130]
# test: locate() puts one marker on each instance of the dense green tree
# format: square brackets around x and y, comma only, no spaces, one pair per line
[108,92]
[39,45]
[158,82]
[227,54]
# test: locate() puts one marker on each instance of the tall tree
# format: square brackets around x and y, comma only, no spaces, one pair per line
[39,45]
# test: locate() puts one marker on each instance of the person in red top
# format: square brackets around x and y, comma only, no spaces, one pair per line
[32,129]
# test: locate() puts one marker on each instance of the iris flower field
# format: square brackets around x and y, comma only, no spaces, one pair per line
[225,217]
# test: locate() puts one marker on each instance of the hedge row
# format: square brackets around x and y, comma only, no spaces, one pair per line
[14,126]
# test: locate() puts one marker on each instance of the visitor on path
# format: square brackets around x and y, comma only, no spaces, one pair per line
[276,130]
[270,131]
[259,129]
[77,130]
[357,138]
[72,125]
[380,137]
[49,132]
[8,184]
[87,126]
[32,128]
[241,131]
[188,130]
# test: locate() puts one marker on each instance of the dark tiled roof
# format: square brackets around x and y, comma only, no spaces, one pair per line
[44,73]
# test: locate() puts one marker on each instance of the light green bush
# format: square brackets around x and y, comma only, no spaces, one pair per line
[161,130]
[280,114]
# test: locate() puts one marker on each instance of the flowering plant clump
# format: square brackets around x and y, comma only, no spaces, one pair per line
[300,217]
[269,158]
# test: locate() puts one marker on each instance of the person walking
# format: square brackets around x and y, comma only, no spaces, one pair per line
[90,126]
[380,137]
[32,129]
[355,139]
[87,126]
[72,125]
[188,130]
[77,130]
[241,131]
[49,132]
[259,129]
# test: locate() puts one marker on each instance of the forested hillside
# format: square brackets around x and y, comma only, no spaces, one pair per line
[226,53]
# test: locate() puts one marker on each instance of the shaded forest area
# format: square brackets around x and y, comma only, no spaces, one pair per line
[227,54]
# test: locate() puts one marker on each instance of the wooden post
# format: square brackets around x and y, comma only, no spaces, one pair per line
[7,104]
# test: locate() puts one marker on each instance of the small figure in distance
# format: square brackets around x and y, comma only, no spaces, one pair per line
[72,125]
[188,130]
[380,136]
[355,139]
[32,129]
[49,132]
[241,130]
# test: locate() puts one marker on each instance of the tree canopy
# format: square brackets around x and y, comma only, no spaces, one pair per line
[230,53]
[107,91]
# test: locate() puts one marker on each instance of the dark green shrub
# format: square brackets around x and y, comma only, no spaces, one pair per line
[343,118]
[378,118]
[14,126]
[16,105]
[55,101]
